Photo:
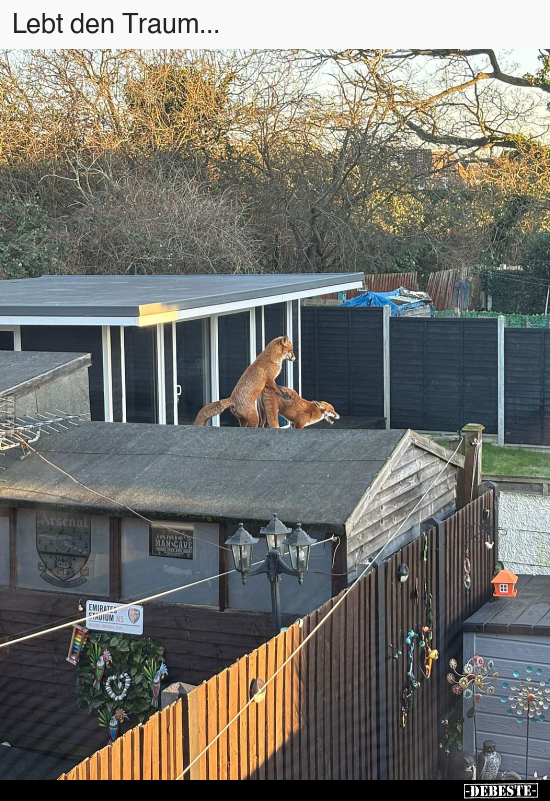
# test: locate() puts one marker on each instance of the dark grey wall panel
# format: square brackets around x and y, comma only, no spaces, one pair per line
[342,359]
[141,374]
[444,373]
[527,386]
[234,352]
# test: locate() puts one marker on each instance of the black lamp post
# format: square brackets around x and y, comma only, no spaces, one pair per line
[277,535]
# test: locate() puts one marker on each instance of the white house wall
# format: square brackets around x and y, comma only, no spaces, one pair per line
[524,537]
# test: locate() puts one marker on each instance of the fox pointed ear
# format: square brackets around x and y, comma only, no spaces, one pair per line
[318,404]
[285,340]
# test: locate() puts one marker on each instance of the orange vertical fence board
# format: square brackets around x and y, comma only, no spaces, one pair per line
[223,718]
[260,716]
[233,731]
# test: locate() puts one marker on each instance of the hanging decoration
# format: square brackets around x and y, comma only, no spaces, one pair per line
[467,579]
[122,680]
[413,683]
[529,698]
[100,664]
[117,687]
[430,654]
[406,702]
[78,639]
[396,653]
[112,722]
[429,657]
[155,674]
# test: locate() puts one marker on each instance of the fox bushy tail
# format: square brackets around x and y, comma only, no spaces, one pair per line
[211,410]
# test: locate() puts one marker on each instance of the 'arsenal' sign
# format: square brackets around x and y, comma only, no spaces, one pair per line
[64,544]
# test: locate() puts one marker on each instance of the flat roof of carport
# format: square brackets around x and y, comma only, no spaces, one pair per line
[150,299]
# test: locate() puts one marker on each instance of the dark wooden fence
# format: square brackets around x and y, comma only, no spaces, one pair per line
[527,385]
[444,373]
[343,360]
[334,696]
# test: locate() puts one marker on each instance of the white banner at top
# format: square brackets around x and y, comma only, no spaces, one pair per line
[213,24]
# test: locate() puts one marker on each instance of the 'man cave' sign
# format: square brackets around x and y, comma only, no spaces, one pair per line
[176,541]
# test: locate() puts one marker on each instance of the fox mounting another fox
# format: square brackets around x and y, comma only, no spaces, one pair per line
[297,410]
[257,376]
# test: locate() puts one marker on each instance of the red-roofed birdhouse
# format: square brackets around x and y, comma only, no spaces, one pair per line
[504,584]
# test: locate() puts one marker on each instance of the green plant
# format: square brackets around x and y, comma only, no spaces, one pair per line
[131,655]
[25,251]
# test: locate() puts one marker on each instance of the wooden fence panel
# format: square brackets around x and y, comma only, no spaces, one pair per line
[318,717]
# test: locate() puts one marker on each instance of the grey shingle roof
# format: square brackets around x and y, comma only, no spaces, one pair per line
[307,476]
[132,295]
[20,371]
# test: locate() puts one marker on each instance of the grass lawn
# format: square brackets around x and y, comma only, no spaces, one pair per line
[515,461]
[512,461]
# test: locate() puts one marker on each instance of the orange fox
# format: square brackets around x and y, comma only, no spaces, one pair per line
[298,411]
[257,376]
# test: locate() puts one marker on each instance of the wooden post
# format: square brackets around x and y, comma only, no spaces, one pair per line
[339,579]
[381,670]
[115,558]
[469,476]
[386,317]
[440,611]
[500,382]
[223,564]
[12,512]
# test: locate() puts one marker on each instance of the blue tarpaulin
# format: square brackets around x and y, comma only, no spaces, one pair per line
[384,299]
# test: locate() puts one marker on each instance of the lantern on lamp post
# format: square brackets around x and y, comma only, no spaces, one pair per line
[299,547]
[277,534]
[242,544]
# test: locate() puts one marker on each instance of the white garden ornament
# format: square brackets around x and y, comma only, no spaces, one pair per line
[123,682]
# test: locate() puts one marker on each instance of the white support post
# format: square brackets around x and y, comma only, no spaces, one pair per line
[386,316]
[300,357]
[252,336]
[263,327]
[107,373]
[501,421]
[161,376]
[16,331]
[214,365]
[288,327]
[175,373]
[123,372]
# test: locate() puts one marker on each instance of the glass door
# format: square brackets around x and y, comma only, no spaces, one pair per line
[10,337]
[192,368]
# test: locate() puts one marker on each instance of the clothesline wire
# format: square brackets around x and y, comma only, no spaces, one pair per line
[111,610]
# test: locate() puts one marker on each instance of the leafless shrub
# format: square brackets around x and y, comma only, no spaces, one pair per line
[158,224]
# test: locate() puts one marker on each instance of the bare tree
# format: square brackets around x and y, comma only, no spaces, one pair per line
[157,224]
